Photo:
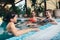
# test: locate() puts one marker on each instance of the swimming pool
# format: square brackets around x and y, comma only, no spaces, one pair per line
[56,37]
[22,37]
[44,33]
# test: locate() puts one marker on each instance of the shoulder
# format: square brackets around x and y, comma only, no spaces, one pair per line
[10,24]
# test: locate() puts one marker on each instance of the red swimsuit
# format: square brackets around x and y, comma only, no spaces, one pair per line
[32,20]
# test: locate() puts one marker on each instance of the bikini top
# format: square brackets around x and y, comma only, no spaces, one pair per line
[33,20]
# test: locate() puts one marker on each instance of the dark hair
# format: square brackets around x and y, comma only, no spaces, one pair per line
[37,15]
[50,10]
[8,16]
[32,13]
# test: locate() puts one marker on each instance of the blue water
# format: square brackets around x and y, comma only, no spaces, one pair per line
[22,37]
[45,26]
[56,37]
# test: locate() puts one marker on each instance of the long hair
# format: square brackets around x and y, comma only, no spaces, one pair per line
[9,16]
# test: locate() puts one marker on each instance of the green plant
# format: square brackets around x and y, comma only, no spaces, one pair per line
[28,11]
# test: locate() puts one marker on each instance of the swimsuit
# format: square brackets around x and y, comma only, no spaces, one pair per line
[5,34]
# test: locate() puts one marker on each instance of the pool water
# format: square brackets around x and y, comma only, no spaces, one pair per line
[22,37]
[45,26]
[56,37]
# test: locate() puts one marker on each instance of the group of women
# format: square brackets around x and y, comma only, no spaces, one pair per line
[11,18]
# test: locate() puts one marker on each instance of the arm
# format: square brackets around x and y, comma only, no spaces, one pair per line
[53,21]
[41,18]
[20,32]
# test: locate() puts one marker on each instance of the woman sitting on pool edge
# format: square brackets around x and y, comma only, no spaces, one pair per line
[11,18]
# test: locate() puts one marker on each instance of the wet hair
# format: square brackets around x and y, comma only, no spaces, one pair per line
[9,16]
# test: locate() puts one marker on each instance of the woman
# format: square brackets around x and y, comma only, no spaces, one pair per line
[49,17]
[33,18]
[11,19]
